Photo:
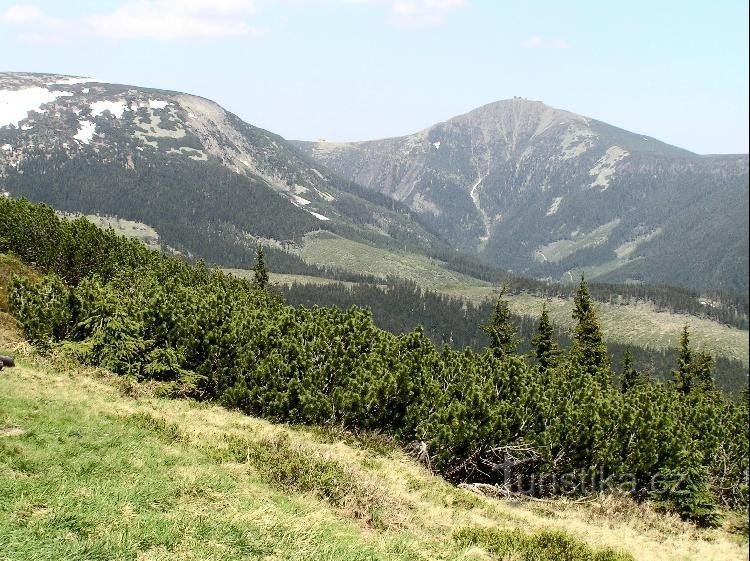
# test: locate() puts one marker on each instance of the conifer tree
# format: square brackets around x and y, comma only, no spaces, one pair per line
[546,349]
[629,376]
[686,490]
[703,369]
[683,376]
[501,329]
[588,350]
[261,273]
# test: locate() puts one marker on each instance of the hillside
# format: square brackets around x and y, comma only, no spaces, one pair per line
[549,193]
[198,177]
[95,466]
[170,328]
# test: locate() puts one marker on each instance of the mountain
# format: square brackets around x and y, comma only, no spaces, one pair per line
[549,193]
[206,182]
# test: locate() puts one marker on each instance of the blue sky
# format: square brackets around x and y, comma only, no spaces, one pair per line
[361,69]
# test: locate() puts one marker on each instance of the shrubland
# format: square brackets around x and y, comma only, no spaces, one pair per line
[563,422]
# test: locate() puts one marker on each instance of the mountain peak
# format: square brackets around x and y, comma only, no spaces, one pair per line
[548,192]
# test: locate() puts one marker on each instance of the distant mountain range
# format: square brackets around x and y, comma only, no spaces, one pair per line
[548,193]
[210,184]
[536,190]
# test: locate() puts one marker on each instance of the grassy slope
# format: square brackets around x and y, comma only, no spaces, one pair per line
[97,467]
[641,325]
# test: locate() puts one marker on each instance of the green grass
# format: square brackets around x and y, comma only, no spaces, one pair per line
[77,483]
[332,250]
[538,547]
[96,467]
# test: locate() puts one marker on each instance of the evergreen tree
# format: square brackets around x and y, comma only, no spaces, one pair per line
[501,329]
[683,376]
[703,369]
[629,376]
[685,490]
[261,273]
[546,349]
[588,350]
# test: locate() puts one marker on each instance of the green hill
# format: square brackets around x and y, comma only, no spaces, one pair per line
[170,328]
[94,466]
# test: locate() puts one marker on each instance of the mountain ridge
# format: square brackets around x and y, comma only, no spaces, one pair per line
[208,182]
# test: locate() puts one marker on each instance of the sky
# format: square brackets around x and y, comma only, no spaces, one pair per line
[345,70]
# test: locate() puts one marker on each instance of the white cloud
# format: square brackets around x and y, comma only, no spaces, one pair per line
[136,19]
[188,19]
[22,14]
[34,24]
[174,19]
[536,42]
[421,13]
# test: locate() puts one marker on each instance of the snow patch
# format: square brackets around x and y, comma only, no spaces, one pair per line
[116,108]
[299,200]
[15,105]
[157,104]
[6,147]
[436,144]
[604,169]
[318,216]
[86,132]
[554,206]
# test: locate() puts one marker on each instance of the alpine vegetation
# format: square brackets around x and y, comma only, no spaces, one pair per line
[560,421]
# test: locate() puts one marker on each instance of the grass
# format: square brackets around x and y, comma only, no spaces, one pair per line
[331,250]
[128,228]
[93,466]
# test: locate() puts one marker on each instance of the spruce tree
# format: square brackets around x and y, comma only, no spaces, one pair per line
[686,490]
[261,273]
[501,329]
[683,376]
[703,369]
[546,349]
[588,349]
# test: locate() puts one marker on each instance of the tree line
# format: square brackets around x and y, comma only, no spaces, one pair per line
[400,305]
